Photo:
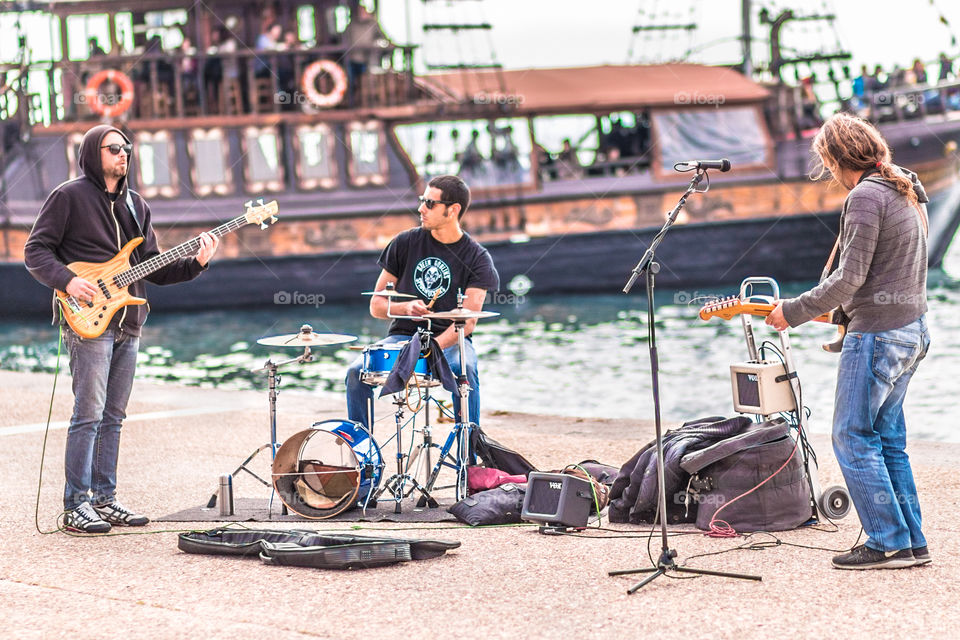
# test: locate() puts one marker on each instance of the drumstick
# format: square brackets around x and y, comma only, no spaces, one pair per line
[436,294]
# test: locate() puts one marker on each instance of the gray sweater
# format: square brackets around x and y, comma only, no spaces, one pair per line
[881,277]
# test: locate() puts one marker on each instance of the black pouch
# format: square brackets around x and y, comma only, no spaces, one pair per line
[501,505]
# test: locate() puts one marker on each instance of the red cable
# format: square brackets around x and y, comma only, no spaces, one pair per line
[724,530]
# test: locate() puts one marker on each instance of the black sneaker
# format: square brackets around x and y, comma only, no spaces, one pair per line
[116,513]
[921,555]
[863,557]
[84,519]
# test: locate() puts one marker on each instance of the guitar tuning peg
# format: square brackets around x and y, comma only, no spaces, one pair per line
[273,218]
[260,202]
[263,225]
[248,204]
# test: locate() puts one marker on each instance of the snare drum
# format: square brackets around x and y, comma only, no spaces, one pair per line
[380,359]
[327,469]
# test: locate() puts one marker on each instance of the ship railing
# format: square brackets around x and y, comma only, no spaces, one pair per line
[181,85]
[905,103]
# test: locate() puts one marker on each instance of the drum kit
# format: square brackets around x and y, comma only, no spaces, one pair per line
[337,465]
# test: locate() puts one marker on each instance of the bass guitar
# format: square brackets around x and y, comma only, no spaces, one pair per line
[89,319]
[728,308]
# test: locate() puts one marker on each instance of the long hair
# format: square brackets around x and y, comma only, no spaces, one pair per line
[849,142]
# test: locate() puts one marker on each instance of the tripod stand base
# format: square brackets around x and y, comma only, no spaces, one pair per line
[666,564]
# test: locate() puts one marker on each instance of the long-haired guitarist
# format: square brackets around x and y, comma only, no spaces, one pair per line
[90,219]
[880,284]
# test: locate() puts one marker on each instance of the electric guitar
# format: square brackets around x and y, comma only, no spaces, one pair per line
[728,308]
[89,319]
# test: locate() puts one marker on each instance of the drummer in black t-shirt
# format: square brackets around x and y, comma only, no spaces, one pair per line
[436,256]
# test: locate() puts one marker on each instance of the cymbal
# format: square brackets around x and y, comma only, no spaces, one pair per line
[388,293]
[459,314]
[306,338]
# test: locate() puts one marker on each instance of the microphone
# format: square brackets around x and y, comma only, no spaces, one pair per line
[722,165]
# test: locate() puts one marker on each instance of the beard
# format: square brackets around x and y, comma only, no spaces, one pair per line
[119,171]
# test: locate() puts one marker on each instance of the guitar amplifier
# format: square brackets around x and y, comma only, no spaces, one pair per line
[557,499]
[760,388]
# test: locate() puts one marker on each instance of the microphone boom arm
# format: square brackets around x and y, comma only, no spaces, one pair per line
[647,258]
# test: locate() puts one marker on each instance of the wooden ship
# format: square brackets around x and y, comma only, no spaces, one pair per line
[571,168]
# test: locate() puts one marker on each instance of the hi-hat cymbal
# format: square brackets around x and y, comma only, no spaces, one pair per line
[388,293]
[459,314]
[306,338]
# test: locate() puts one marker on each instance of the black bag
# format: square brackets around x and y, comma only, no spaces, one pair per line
[501,505]
[495,455]
[730,468]
[306,548]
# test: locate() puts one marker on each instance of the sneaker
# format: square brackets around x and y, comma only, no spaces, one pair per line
[921,555]
[863,557]
[84,519]
[116,513]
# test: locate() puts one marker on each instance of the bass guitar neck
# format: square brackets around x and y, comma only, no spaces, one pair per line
[90,318]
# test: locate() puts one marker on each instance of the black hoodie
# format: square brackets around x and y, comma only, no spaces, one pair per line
[80,222]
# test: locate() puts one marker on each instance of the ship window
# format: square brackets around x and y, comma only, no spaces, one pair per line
[485,153]
[209,169]
[263,167]
[368,162]
[81,29]
[156,165]
[580,129]
[307,25]
[73,154]
[736,133]
[316,164]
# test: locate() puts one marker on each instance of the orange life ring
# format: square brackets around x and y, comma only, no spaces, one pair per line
[309,83]
[109,109]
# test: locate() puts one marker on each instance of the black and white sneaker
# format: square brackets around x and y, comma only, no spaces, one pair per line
[863,557]
[84,519]
[922,555]
[116,513]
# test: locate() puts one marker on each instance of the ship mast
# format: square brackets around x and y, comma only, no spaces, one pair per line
[746,67]
[777,59]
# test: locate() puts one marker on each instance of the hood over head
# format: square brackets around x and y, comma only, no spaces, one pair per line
[89,156]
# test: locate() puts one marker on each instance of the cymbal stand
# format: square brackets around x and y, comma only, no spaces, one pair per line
[273,381]
[460,434]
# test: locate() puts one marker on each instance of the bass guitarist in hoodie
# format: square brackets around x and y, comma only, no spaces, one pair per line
[90,219]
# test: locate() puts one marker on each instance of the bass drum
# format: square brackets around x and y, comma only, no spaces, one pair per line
[327,469]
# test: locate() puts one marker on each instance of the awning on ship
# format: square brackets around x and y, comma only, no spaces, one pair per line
[608,87]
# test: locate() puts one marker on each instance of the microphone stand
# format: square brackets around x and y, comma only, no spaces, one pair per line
[650,267]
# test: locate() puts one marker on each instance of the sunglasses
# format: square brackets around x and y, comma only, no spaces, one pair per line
[432,203]
[115,148]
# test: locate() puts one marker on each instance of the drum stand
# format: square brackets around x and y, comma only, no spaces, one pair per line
[397,483]
[460,434]
[273,380]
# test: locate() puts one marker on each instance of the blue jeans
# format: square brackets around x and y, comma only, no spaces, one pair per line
[102,370]
[359,395]
[869,432]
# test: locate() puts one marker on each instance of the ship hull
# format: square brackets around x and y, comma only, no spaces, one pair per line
[699,259]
